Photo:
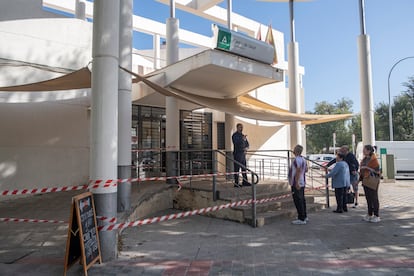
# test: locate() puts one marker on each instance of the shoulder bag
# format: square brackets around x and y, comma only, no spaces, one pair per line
[371,181]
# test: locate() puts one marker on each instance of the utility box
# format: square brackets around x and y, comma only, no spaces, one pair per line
[387,165]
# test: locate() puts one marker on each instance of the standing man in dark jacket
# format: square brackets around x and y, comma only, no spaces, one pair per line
[240,147]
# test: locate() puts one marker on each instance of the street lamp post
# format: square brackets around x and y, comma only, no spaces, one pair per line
[412,110]
[389,98]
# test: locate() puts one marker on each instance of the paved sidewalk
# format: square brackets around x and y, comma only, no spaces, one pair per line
[330,244]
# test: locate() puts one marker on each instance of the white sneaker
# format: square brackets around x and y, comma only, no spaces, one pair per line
[375,219]
[299,222]
[307,219]
[367,218]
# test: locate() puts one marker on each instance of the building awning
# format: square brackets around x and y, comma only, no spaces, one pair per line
[213,79]
[244,106]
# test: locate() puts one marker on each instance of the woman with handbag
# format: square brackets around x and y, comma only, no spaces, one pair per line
[369,175]
[340,182]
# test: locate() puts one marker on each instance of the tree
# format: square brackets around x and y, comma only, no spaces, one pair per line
[402,110]
[319,137]
[381,120]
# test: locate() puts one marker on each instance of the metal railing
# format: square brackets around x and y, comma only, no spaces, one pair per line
[262,165]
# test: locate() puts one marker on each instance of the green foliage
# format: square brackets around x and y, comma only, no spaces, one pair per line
[320,136]
[402,116]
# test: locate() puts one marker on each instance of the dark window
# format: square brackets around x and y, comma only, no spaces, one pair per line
[221,136]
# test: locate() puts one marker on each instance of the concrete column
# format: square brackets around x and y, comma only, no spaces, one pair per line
[125,105]
[171,105]
[104,115]
[229,126]
[365,75]
[294,93]
[80,8]
[157,49]
[229,129]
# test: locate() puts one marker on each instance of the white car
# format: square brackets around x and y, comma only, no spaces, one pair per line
[320,160]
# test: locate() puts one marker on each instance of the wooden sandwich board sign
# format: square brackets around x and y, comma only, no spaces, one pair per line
[83,241]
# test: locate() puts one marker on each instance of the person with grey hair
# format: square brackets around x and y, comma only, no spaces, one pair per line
[340,182]
[297,180]
[353,166]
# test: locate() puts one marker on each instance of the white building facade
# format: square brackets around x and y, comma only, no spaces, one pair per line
[45,139]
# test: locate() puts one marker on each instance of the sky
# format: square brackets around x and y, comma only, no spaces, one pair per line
[327,33]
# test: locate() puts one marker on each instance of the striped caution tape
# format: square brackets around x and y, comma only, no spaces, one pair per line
[186,214]
[100,183]
[106,219]
[31,220]
[100,218]
[94,185]
[118,226]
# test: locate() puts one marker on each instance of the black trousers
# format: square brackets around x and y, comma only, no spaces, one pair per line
[340,195]
[300,202]
[237,167]
[372,201]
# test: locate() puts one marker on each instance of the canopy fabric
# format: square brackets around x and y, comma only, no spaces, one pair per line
[244,106]
[79,79]
[317,118]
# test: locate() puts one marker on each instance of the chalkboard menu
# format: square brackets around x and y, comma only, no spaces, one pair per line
[83,240]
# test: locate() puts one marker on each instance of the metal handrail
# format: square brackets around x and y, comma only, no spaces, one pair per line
[211,165]
[254,180]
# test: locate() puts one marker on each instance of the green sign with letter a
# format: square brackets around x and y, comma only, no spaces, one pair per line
[224,40]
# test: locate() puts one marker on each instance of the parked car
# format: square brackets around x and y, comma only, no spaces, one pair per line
[320,160]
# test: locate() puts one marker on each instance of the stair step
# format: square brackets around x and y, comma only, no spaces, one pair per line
[275,215]
[284,203]
[261,189]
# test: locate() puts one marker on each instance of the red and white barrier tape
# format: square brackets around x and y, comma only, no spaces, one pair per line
[111,227]
[118,226]
[32,220]
[100,183]
[96,184]
[93,184]
[106,219]
[43,190]
[100,218]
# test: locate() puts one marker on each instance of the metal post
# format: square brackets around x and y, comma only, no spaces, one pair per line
[124,105]
[214,165]
[389,99]
[229,11]
[254,221]
[80,8]
[412,109]
[327,191]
